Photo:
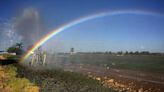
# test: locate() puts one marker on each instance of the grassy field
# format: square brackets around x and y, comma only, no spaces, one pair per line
[9,82]
[57,80]
[9,57]
[17,78]
[45,80]
[148,63]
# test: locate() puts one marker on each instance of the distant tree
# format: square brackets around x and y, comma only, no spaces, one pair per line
[19,45]
[126,52]
[145,53]
[120,52]
[131,53]
[108,52]
[136,53]
[16,49]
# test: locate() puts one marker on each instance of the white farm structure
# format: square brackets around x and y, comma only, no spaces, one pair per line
[38,58]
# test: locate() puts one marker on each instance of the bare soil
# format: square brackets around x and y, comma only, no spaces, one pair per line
[136,81]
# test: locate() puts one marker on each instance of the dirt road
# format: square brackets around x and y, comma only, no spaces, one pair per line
[132,80]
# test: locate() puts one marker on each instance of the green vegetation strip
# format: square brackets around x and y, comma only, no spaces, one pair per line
[10,83]
[147,63]
[61,81]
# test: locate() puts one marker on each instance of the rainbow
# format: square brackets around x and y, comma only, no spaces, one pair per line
[82,20]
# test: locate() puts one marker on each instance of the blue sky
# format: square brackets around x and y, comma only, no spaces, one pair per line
[111,33]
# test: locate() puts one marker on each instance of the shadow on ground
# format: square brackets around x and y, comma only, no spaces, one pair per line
[7,62]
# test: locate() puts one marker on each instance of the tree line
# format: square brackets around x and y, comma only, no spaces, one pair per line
[17,48]
[124,53]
